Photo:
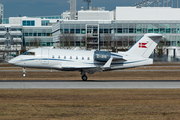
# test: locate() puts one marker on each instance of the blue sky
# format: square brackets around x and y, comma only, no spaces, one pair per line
[13,8]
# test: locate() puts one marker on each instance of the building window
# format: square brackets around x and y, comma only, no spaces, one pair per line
[106,30]
[39,34]
[66,31]
[83,31]
[48,34]
[156,30]
[119,30]
[72,31]
[25,34]
[138,30]
[48,44]
[5,21]
[78,31]
[168,30]
[30,34]
[77,43]
[2,29]
[44,22]
[32,23]
[101,31]
[131,30]
[150,30]
[28,23]
[24,23]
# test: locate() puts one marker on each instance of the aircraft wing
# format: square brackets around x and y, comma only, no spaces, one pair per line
[106,66]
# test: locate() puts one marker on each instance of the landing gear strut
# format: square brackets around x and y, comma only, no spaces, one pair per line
[24,72]
[84,77]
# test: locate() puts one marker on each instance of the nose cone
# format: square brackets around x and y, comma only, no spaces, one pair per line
[11,61]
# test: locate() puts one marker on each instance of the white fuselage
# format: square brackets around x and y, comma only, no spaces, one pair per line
[75,60]
[90,61]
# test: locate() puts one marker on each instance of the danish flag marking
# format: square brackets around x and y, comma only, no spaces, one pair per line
[142,45]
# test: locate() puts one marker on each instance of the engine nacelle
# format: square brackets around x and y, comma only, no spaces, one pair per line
[102,56]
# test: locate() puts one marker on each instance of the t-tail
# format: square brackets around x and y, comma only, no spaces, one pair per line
[145,46]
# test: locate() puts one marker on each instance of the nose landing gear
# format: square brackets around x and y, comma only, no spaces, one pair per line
[24,72]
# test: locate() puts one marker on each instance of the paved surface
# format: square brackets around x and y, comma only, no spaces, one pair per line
[109,71]
[90,84]
[19,69]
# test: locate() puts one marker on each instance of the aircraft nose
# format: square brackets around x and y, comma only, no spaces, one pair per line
[11,61]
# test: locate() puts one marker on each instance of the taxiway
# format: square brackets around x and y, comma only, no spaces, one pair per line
[90,84]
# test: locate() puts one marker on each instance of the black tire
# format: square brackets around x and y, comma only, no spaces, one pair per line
[84,78]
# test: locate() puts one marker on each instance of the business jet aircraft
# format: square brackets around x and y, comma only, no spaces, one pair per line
[89,61]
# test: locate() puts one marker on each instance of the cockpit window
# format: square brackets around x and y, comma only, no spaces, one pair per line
[29,53]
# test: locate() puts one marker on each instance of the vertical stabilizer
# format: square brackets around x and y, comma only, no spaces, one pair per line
[145,46]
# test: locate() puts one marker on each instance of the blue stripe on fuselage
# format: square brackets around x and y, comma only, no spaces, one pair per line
[118,63]
[84,62]
[46,59]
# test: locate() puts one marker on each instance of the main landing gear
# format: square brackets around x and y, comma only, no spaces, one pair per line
[84,77]
[24,72]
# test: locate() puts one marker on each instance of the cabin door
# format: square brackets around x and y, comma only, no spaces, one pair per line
[45,56]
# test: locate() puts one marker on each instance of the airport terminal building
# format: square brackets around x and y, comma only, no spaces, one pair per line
[94,29]
[31,32]
[119,29]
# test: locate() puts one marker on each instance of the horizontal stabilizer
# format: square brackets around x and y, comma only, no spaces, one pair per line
[116,56]
[114,59]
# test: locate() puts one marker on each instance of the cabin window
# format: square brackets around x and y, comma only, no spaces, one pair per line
[88,58]
[59,57]
[70,57]
[82,58]
[64,57]
[29,53]
[53,56]
[76,57]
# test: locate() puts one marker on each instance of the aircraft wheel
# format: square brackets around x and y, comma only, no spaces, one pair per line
[84,78]
[24,75]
